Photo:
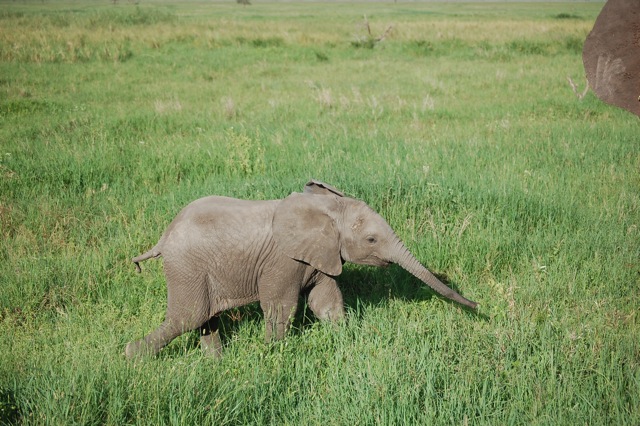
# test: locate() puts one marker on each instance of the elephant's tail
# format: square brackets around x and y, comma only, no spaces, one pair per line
[154,252]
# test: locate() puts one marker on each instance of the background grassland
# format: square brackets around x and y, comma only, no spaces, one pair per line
[459,128]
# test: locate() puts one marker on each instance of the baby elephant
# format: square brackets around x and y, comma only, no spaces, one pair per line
[220,253]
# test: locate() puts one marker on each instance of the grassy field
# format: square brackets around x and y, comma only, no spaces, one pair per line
[459,127]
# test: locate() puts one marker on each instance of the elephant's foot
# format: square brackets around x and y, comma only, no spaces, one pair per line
[277,320]
[152,343]
[325,300]
[210,337]
[139,349]
[211,345]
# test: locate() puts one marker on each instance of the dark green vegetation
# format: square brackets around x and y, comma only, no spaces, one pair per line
[459,127]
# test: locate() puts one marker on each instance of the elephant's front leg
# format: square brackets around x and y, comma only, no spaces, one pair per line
[325,299]
[277,317]
[279,304]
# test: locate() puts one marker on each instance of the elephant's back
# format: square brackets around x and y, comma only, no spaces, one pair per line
[220,221]
[220,209]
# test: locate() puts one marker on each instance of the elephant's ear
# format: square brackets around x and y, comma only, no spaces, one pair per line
[304,228]
[321,188]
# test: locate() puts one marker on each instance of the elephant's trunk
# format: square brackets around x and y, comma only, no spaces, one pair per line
[408,262]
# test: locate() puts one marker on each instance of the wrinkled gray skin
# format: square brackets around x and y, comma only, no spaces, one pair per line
[611,55]
[221,253]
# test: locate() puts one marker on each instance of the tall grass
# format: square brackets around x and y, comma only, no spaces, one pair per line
[459,128]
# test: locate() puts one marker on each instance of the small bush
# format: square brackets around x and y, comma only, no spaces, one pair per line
[528,47]
[245,155]
[261,42]
[564,15]
[321,56]
[267,42]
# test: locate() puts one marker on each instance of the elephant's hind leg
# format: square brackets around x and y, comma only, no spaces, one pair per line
[210,337]
[187,309]
[154,341]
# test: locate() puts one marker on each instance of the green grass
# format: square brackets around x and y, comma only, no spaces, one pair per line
[460,128]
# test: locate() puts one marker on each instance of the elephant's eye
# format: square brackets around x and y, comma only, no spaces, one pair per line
[371,239]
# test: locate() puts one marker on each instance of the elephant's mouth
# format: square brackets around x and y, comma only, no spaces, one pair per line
[376,261]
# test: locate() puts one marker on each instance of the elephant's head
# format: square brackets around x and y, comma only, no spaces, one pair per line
[324,229]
